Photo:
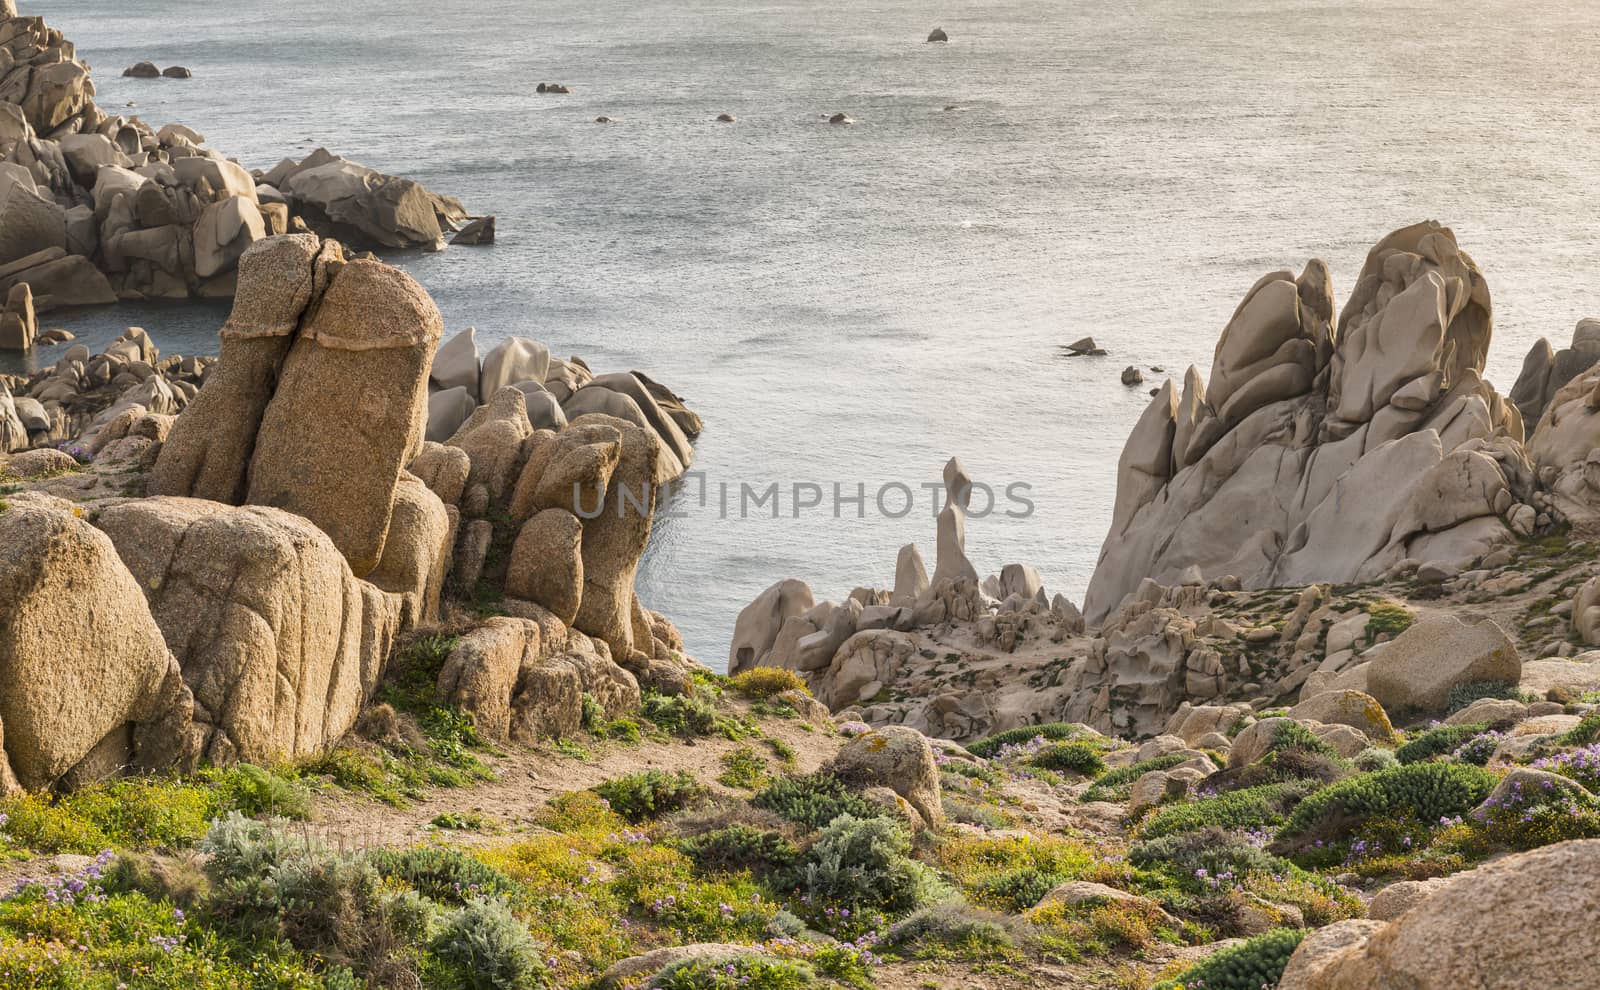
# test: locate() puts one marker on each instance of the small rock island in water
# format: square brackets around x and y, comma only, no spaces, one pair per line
[322,662]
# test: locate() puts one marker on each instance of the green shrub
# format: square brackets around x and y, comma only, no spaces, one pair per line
[814,800]
[138,813]
[764,682]
[1387,617]
[1070,757]
[1294,736]
[642,796]
[946,930]
[490,948]
[1463,695]
[740,972]
[1252,807]
[1195,858]
[256,791]
[1585,733]
[1018,889]
[1440,741]
[268,883]
[447,874]
[1427,792]
[741,847]
[991,745]
[981,815]
[1479,750]
[685,715]
[865,863]
[743,768]
[1282,766]
[1115,784]
[1257,963]
[1375,758]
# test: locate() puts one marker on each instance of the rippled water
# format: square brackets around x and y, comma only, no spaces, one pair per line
[855,304]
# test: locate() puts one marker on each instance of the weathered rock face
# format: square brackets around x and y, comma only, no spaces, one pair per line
[555,392]
[1508,925]
[325,364]
[525,678]
[82,664]
[1438,652]
[348,412]
[1545,372]
[208,454]
[898,758]
[1322,455]
[279,642]
[758,625]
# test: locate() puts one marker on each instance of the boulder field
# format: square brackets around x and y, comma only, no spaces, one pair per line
[96,207]
[233,547]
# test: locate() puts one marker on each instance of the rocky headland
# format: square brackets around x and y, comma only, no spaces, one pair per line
[97,207]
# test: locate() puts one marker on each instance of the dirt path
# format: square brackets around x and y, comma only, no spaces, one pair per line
[526,778]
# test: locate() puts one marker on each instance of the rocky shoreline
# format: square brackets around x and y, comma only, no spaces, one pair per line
[97,207]
[322,664]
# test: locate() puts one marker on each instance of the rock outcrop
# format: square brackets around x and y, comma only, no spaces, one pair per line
[1322,451]
[1508,925]
[95,207]
[85,674]
[279,642]
[1546,371]
[554,393]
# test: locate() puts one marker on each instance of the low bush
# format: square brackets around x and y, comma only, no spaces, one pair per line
[1425,792]
[266,882]
[1070,757]
[865,864]
[138,813]
[1257,963]
[1463,695]
[1387,617]
[1018,889]
[447,874]
[951,931]
[741,847]
[991,745]
[814,800]
[1200,859]
[1253,807]
[1585,733]
[1116,784]
[693,715]
[1439,741]
[257,791]
[648,795]
[741,972]
[764,682]
[490,948]
[1375,758]
[743,768]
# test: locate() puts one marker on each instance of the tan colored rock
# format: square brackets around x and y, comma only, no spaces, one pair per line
[224,232]
[757,627]
[444,470]
[18,326]
[279,642]
[1353,708]
[480,675]
[208,454]
[352,395]
[492,438]
[1398,898]
[546,565]
[1438,651]
[898,758]
[1508,925]
[417,553]
[81,658]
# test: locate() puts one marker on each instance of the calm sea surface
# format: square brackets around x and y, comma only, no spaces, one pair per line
[856,304]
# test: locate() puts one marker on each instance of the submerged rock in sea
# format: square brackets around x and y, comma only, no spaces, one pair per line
[937,35]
